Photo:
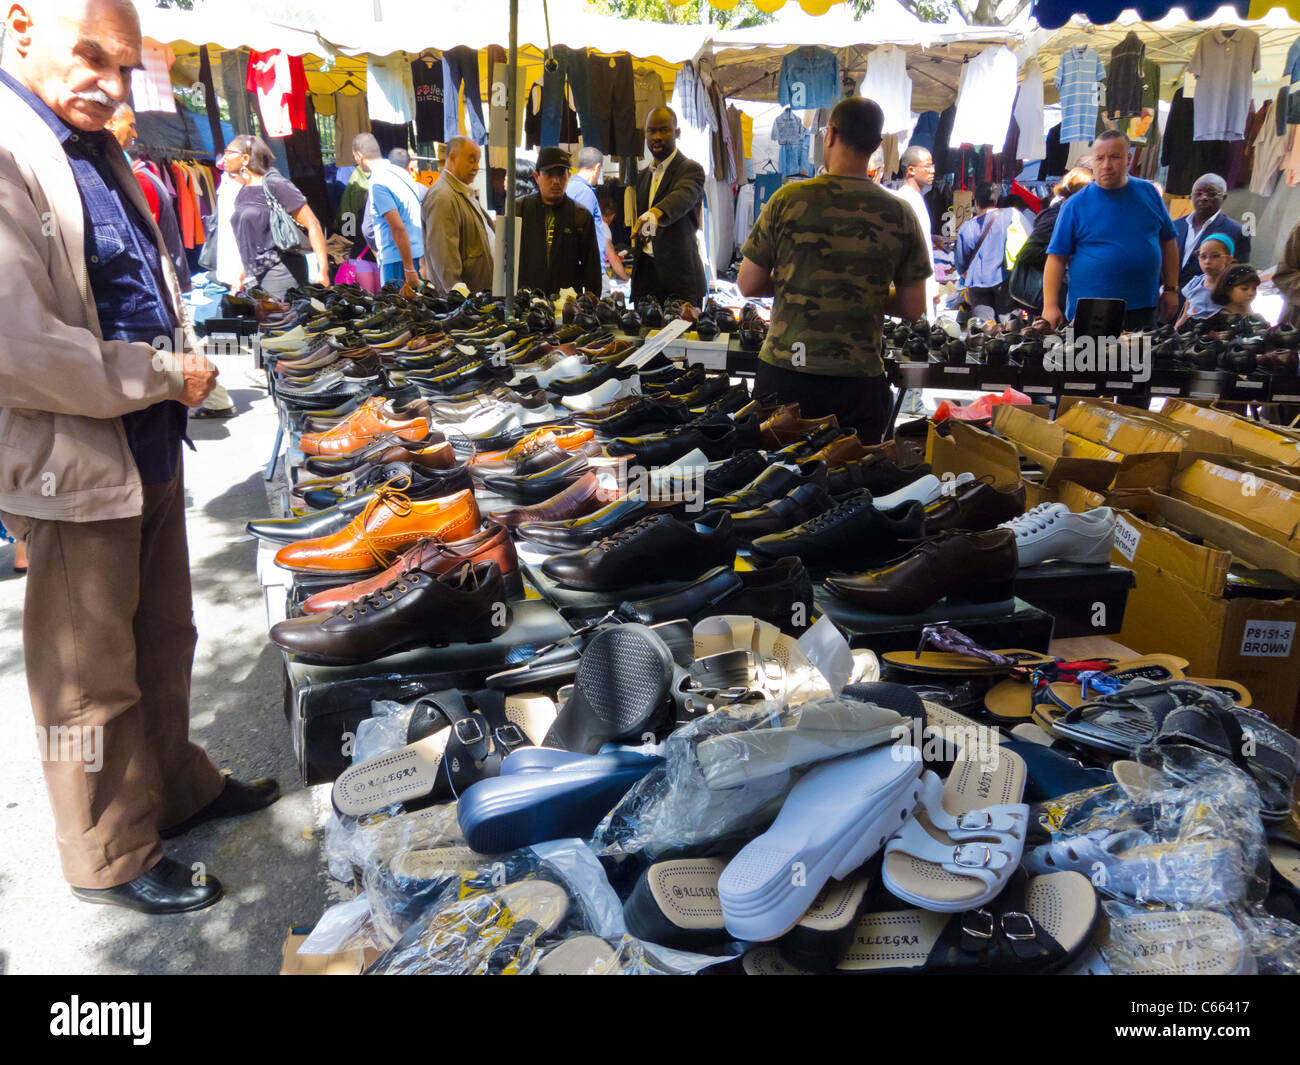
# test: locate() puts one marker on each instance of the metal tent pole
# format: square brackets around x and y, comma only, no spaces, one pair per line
[512,140]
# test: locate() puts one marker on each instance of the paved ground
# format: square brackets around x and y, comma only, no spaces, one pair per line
[270,862]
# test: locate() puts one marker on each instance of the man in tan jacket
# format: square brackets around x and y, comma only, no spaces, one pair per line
[457,231]
[97,366]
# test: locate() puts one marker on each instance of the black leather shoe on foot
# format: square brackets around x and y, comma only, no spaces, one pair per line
[166,888]
[235,800]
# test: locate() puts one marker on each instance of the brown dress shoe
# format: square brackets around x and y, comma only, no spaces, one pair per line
[849,448]
[433,556]
[977,567]
[391,523]
[786,426]
[975,507]
[581,498]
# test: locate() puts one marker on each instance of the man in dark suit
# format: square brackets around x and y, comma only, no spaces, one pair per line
[557,237]
[668,198]
[1207,217]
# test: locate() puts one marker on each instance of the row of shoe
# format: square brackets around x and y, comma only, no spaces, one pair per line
[1239,344]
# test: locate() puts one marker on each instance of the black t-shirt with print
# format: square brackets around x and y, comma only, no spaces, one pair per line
[428,100]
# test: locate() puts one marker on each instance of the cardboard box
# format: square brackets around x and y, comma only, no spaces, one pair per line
[963,448]
[345,963]
[1265,506]
[1136,429]
[1046,444]
[1248,438]
[1178,606]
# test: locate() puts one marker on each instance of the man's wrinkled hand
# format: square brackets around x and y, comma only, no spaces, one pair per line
[200,379]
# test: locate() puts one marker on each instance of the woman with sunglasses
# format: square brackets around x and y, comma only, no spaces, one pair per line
[250,162]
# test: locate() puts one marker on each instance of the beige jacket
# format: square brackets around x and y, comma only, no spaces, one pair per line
[457,240]
[63,389]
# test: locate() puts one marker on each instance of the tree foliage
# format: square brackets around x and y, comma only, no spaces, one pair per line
[692,13]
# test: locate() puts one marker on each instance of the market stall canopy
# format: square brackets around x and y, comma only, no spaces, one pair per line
[749,60]
[813,7]
[1052,14]
[1170,41]
[337,42]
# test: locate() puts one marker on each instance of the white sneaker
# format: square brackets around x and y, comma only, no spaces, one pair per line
[604,393]
[1054,531]
[925,490]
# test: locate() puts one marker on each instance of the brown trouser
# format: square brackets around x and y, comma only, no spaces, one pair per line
[108,633]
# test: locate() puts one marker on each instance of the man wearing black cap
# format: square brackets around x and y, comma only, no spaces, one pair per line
[557,238]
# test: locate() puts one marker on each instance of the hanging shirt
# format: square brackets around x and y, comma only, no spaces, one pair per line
[1078,78]
[151,88]
[389,92]
[744,214]
[427,84]
[985,96]
[810,78]
[350,118]
[281,87]
[887,83]
[649,89]
[1028,114]
[788,133]
[1224,63]
[1124,79]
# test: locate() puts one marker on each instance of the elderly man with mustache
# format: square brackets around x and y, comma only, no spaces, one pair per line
[92,416]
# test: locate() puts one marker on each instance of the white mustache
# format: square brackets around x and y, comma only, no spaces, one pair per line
[96,96]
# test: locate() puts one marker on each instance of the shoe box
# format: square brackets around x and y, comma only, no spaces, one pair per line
[1250,440]
[1013,623]
[324,704]
[1180,554]
[1264,500]
[1053,451]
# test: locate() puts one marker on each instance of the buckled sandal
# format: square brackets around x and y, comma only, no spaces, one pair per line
[1035,926]
[959,850]
[449,746]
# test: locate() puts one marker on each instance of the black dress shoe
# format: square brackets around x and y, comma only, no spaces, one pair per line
[700,599]
[809,445]
[781,593]
[772,482]
[418,609]
[876,474]
[166,888]
[645,415]
[657,548]
[579,532]
[717,441]
[851,535]
[540,486]
[802,504]
[735,473]
[235,800]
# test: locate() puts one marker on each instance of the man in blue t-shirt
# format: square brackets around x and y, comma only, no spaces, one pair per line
[1118,241]
[393,210]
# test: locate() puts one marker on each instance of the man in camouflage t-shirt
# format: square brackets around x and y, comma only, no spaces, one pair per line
[828,250]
